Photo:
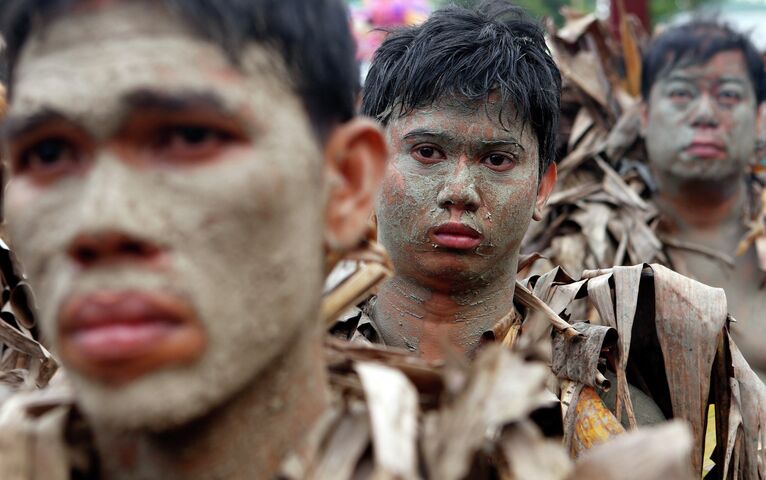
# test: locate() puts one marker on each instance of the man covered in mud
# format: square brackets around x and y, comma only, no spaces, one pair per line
[174,169]
[472,146]
[470,102]
[702,86]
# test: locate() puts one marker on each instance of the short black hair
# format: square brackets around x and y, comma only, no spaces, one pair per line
[694,43]
[312,37]
[471,54]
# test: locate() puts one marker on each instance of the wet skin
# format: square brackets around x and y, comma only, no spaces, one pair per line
[459,192]
[169,208]
[700,128]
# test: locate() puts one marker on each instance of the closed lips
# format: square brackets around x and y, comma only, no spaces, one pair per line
[456,236]
[120,335]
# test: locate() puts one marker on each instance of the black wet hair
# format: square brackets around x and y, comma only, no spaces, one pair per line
[469,54]
[695,43]
[312,37]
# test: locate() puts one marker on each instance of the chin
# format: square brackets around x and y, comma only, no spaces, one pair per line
[155,402]
[451,269]
[170,397]
[703,170]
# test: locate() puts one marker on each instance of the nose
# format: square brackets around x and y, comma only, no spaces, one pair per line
[459,191]
[98,248]
[705,115]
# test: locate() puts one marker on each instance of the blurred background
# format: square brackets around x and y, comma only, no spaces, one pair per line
[748,15]
[597,43]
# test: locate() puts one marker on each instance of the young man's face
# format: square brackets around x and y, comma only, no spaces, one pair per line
[167,206]
[700,120]
[458,194]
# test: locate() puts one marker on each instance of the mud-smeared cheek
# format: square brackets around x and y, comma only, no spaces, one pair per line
[18,196]
[393,186]
[510,207]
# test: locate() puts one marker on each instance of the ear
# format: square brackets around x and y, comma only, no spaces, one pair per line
[544,190]
[759,117]
[644,110]
[355,159]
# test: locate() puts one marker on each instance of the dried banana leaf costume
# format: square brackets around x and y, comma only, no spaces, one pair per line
[674,340]
[660,334]
[392,416]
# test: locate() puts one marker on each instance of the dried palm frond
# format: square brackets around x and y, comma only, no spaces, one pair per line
[672,343]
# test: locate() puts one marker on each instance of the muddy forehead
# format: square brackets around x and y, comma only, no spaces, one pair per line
[504,117]
[724,66]
[83,64]
[88,23]
[480,124]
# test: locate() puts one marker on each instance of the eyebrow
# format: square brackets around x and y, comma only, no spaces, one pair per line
[742,80]
[450,138]
[692,78]
[175,101]
[18,125]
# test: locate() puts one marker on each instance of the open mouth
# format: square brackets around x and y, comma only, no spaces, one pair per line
[117,336]
[455,236]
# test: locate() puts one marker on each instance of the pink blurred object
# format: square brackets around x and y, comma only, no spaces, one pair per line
[377,14]
[388,13]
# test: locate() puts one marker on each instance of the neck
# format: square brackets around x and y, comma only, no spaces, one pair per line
[432,322]
[246,438]
[693,205]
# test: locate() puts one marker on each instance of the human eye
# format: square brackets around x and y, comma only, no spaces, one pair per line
[190,142]
[729,97]
[499,161]
[427,153]
[680,94]
[47,158]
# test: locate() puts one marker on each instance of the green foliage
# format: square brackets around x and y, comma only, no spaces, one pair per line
[660,10]
[537,8]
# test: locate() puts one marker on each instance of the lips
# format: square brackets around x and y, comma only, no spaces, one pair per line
[118,336]
[706,149]
[455,236]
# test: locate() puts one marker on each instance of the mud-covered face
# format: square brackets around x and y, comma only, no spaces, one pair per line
[700,121]
[167,207]
[458,194]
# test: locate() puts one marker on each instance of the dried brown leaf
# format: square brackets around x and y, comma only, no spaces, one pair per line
[531,456]
[643,244]
[752,407]
[564,295]
[582,123]
[502,389]
[344,448]
[655,452]
[576,28]
[600,293]
[577,358]
[689,320]
[625,133]
[626,286]
[530,300]
[352,290]
[616,186]
[393,404]
[570,251]
[587,422]
[593,218]
[574,194]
